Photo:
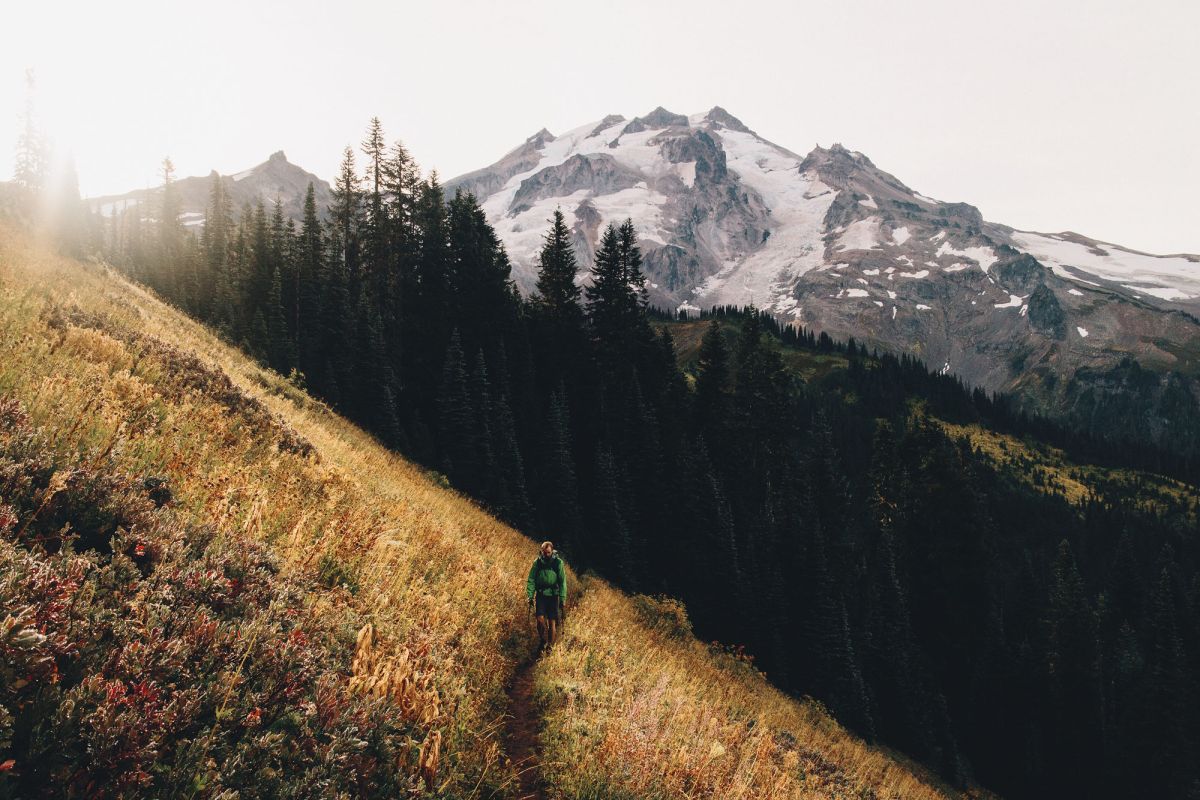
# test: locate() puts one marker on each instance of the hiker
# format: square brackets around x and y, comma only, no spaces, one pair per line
[546,589]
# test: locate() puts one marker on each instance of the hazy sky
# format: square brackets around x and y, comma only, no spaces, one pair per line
[1046,115]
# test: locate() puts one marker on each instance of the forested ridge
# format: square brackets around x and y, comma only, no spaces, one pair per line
[929,596]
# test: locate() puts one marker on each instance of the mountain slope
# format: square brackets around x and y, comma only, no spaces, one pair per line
[275,178]
[117,380]
[832,242]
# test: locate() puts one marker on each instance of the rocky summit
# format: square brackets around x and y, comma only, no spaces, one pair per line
[274,179]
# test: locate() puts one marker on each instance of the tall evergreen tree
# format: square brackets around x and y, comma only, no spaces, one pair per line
[557,292]
[559,489]
[346,214]
[456,417]
[1073,661]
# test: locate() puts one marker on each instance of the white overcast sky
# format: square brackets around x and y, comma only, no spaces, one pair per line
[1046,115]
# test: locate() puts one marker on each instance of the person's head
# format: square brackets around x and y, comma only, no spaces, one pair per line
[547,549]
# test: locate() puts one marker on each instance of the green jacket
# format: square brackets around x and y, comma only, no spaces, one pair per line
[548,577]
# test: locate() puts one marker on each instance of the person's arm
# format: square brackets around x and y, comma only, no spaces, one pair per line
[562,581]
[530,586]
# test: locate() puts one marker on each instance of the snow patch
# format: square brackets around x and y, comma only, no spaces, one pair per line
[1168,277]
[862,234]
[687,173]
[1014,301]
[869,203]
[1075,292]
[1162,292]
[983,256]
[921,273]
[901,235]
[1083,332]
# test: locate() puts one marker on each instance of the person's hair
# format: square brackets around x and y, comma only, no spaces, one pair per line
[547,544]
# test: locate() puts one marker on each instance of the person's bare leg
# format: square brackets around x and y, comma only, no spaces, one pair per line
[542,631]
[553,629]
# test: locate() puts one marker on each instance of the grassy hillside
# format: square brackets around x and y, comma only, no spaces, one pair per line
[1050,470]
[404,596]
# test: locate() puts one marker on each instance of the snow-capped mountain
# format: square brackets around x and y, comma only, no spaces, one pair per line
[275,178]
[834,243]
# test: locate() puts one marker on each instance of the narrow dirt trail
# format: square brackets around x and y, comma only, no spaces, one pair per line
[521,735]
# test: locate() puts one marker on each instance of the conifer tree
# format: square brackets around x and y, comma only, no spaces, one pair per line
[311,284]
[456,416]
[557,294]
[218,291]
[712,381]
[616,298]
[559,493]
[32,151]
[278,343]
[609,546]
[346,214]
[1073,661]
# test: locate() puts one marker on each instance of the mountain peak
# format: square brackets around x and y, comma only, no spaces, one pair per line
[658,118]
[540,138]
[721,118]
[277,157]
[661,118]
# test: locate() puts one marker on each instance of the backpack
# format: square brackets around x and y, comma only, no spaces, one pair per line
[546,575]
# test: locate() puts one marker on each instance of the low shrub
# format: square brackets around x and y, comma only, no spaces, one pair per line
[664,614]
[174,661]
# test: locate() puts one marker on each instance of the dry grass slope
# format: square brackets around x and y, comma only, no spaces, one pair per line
[632,707]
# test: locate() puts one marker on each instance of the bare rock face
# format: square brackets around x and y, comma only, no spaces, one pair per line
[598,172]
[832,242]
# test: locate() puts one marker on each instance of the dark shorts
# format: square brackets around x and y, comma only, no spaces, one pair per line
[546,606]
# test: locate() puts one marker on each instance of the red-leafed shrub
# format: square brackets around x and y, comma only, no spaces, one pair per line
[142,658]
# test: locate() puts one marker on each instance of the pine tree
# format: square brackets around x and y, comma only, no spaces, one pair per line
[456,416]
[1167,687]
[1073,661]
[346,214]
[712,382]
[217,288]
[609,546]
[616,298]
[170,231]
[278,345]
[557,294]
[32,151]
[483,294]
[559,492]
[513,504]
[311,284]
[375,223]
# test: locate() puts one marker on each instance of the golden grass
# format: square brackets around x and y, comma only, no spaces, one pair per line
[632,710]
[629,710]
[1055,473]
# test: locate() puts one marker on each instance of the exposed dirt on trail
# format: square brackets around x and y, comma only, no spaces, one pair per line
[521,735]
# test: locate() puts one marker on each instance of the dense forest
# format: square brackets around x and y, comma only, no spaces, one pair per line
[932,598]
